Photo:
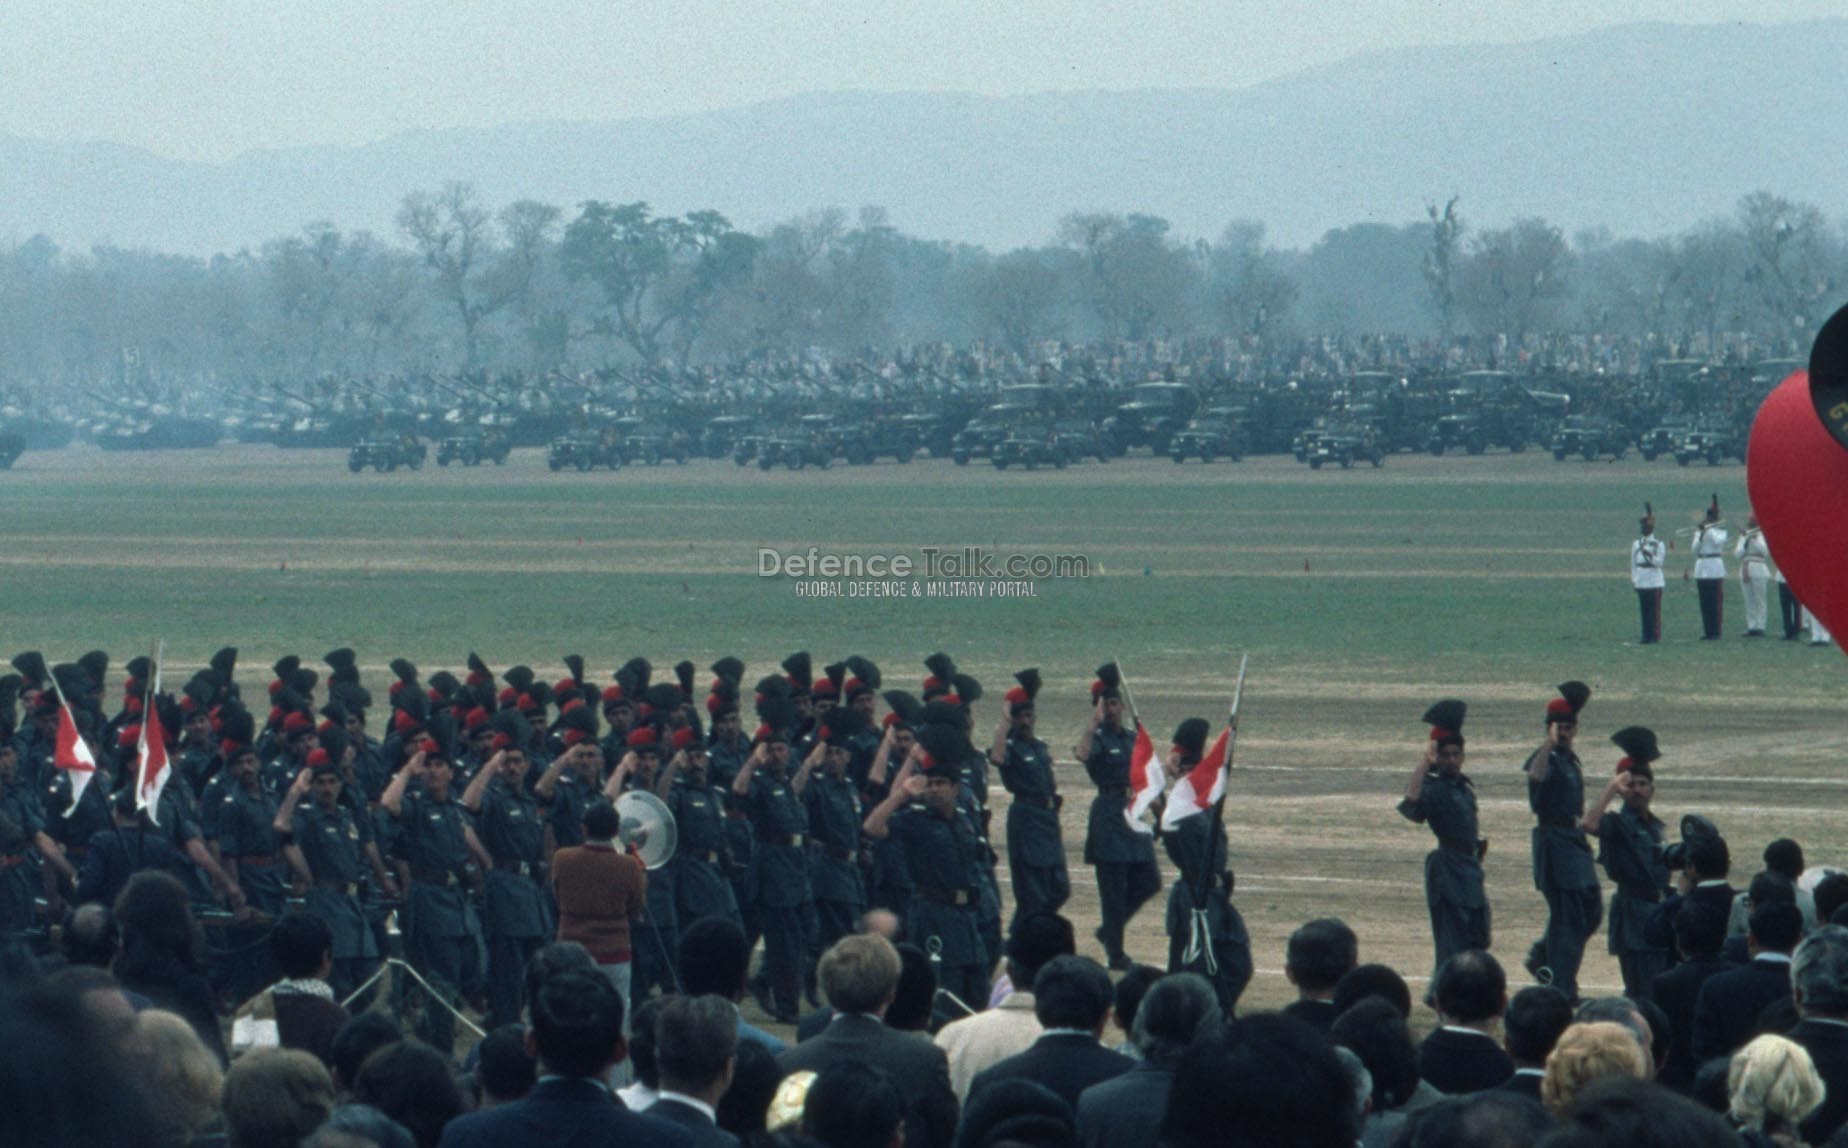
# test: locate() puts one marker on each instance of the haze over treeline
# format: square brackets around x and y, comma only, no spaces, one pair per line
[463,284]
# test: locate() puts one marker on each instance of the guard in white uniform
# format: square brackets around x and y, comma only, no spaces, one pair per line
[1819,633]
[1647,555]
[1710,571]
[1754,575]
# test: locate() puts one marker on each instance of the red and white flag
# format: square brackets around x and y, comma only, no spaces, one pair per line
[71,752]
[1200,786]
[1145,781]
[152,767]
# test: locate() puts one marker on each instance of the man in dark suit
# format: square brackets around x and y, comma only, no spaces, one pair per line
[1531,1026]
[1700,930]
[696,1049]
[576,1034]
[1726,1011]
[1319,954]
[1461,1055]
[859,976]
[1072,998]
[1126,1111]
[1819,983]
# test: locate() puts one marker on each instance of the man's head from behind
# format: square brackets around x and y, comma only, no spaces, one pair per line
[274,1097]
[1471,988]
[1176,1009]
[1036,939]
[303,946]
[1532,1024]
[859,974]
[1273,1079]
[1819,974]
[1775,927]
[714,958]
[1492,1119]
[576,1024]
[1700,930]
[92,938]
[696,1042]
[1320,953]
[1073,993]
[854,1105]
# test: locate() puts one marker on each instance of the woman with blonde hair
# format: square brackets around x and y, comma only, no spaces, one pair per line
[1771,1086]
[182,1077]
[1587,1052]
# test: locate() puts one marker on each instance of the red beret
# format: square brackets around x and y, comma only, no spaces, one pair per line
[573,704]
[403,722]
[1017,696]
[824,688]
[476,718]
[429,747]
[131,687]
[319,757]
[643,737]
[129,735]
[575,735]
[132,705]
[685,736]
[229,749]
[187,704]
[527,704]
[565,685]
[502,741]
[297,722]
[507,696]
[276,686]
[1559,707]
[612,694]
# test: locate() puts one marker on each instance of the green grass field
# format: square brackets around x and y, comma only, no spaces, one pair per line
[1361,596]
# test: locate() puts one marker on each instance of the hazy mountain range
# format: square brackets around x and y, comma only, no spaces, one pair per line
[1644,129]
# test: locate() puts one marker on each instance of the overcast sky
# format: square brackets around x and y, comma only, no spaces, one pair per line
[206,79]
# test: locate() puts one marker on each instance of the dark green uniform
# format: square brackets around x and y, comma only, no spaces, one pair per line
[943,855]
[1630,849]
[333,843]
[703,886]
[1212,943]
[1563,872]
[656,937]
[571,796]
[834,817]
[71,828]
[1035,847]
[247,835]
[1123,858]
[1453,871]
[21,820]
[440,925]
[784,898]
[514,909]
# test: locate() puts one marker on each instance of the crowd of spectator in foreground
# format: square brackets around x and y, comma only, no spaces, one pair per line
[111,1042]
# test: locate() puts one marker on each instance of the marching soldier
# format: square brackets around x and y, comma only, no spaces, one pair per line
[784,901]
[327,847]
[1754,576]
[440,860]
[1710,570]
[702,887]
[1647,558]
[1214,944]
[1035,850]
[1630,849]
[515,915]
[943,856]
[1441,796]
[1123,859]
[1563,870]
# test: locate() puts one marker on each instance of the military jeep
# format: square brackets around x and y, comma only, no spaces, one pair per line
[473,447]
[1589,436]
[388,453]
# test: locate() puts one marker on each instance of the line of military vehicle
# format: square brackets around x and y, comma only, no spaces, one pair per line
[1685,410]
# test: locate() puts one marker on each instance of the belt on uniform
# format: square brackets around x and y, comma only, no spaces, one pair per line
[519,868]
[1113,789]
[1050,801]
[794,840]
[12,862]
[710,856]
[957,897]
[836,853]
[443,877]
[256,861]
[1557,823]
[350,888]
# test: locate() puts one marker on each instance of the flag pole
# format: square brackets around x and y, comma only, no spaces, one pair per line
[1217,821]
[1128,698]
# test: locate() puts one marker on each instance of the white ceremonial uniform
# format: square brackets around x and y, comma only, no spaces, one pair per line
[1819,633]
[1647,554]
[1710,552]
[1754,577]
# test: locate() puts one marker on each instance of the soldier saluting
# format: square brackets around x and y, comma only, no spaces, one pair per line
[327,849]
[1035,848]
[515,914]
[1710,570]
[1123,858]
[1441,796]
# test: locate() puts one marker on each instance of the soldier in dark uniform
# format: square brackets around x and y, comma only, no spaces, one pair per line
[784,902]
[115,854]
[834,816]
[656,937]
[943,855]
[1563,869]
[1123,858]
[22,830]
[439,862]
[725,755]
[515,913]
[861,692]
[326,848]
[1441,796]
[295,741]
[250,850]
[1212,942]
[1035,848]
[702,886]
[1630,849]
[890,887]
[569,785]
[73,827]
[195,756]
